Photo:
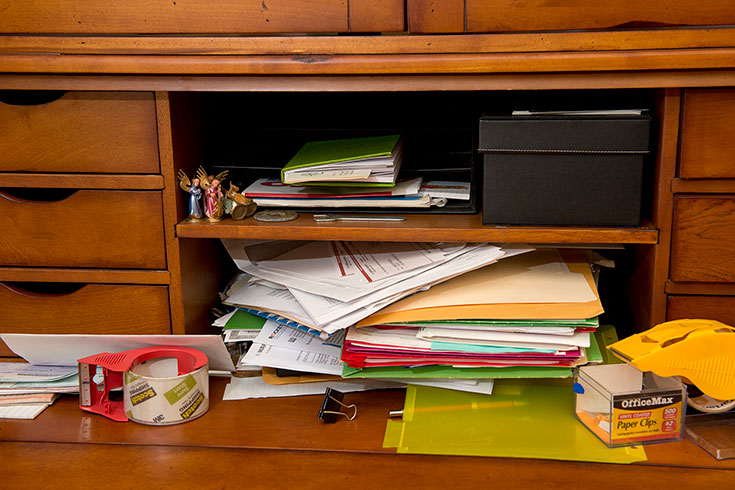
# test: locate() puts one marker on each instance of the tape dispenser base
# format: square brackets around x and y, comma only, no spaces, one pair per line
[95,398]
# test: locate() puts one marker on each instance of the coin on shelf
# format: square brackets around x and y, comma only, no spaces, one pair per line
[273,216]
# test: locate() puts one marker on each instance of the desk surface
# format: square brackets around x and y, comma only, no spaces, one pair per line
[276,443]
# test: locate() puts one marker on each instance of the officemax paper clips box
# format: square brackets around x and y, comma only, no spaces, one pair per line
[624,406]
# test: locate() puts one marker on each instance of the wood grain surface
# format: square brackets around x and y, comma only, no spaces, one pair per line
[704,228]
[90,228]
[284,445]
[708,134]
[188,16]
[92,132]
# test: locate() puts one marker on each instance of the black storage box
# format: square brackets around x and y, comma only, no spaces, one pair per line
[563,170]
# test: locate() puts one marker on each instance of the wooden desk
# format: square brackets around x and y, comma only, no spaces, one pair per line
[280,443]
[140,86]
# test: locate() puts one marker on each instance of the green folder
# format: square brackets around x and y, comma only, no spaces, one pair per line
[316,153]
[521,419]
[243,320]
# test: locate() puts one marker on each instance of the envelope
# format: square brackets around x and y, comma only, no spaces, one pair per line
[545,284]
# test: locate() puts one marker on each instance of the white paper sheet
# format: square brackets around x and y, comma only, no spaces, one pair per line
[279,335]
[24,412]
[66,349]
[298,360]
[323,310]
[255,387]
[28,373]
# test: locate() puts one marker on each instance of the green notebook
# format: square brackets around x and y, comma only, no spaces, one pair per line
[317,154]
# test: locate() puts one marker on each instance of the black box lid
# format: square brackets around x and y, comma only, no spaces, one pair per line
[565,133]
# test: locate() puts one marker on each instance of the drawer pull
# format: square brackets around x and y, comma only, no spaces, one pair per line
[30,97]
[43,289]
[36,196]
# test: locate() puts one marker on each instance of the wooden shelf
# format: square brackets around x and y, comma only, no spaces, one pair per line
[419,227]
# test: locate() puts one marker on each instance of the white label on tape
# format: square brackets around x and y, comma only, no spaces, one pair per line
[165,400]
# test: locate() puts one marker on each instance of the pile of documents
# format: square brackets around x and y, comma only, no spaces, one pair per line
[27,389]
[405,194]
[454,314]
[326,286]
[535,313]
[373,160]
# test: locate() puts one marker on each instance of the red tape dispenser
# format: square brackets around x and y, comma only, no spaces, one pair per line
[147,398]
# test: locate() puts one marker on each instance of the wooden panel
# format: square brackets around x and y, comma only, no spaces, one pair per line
[543,15]
[386,64]
[90,228]
[436,16]
[416,227]
[80,132]
[377,16]
[702,242]
[371,44]
[105,276]
[69,440]
[93,309]
[377,83]
[80,181]
[45,465]
[703,186]
[720,308]
[180,16]
[708,134]
[701,288]
[645,289]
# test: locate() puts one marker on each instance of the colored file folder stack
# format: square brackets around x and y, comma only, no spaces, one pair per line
[405,194]
[373,161]
[532,315]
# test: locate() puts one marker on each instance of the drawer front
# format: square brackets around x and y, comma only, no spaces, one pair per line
[82,309]
[229,17]
[90,132]
[720,308]
[543,15]
[704,229]
[89,228]
[707,144]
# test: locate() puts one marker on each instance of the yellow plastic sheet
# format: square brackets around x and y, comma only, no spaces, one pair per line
[523,418]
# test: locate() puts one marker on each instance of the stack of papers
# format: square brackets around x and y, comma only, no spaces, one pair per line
[448,315]
[326,287]
[408,193]
[536,311]
[27,389]
[371,160]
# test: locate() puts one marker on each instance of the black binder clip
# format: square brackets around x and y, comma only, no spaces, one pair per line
[330,407]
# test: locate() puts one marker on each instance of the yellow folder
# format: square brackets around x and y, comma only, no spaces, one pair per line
[546,284]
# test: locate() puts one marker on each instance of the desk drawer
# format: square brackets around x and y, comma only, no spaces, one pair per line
[720,308]
[228,17]
[89,132]
[89,228]
[707,145]
[704,228]
[82,309]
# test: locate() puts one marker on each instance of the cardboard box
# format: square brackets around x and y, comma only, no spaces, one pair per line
[623,406]
[563,170]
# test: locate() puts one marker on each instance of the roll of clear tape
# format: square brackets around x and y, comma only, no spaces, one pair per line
[154,394]
[706,404]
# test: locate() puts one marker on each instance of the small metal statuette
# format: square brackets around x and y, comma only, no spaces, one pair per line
[213,196]
[237,205]
[195,193]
